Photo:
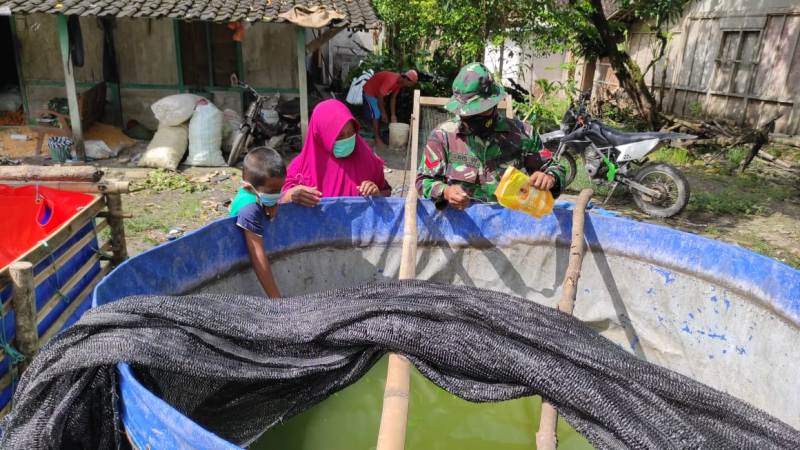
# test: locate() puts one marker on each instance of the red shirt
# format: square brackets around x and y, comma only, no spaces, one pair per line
[382,84]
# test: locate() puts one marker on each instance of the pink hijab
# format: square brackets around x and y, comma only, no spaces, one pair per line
[316,165]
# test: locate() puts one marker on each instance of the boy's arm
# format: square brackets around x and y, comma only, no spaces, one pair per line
[258,257]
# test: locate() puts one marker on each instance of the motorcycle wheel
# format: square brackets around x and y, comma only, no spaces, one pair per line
[567,163]
[672,184]
[239,144]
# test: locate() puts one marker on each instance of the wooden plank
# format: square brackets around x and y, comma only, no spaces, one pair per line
[68,286]
[28,173]
[63,233]
[441,101]
[69,82]
[61,260]
[101,187]
[300,36]
[56,326]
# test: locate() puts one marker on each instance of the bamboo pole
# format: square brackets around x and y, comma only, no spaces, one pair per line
[546,436]
[69,84]
[23,298]
[29,173]
[115,221]
[394,417]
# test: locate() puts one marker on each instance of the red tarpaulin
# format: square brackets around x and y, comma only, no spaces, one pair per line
[29,213]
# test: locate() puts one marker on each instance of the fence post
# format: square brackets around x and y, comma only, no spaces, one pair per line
[23,296]
[117,225]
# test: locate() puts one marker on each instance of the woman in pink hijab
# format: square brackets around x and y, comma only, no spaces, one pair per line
[335,160]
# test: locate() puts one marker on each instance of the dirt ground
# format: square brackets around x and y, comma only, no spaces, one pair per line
[759,211]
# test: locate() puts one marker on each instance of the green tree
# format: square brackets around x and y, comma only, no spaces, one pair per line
[591,34]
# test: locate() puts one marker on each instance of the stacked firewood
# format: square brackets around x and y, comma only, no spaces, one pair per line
[723,136]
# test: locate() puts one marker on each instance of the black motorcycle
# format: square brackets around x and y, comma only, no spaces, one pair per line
[263,122]
[615,157]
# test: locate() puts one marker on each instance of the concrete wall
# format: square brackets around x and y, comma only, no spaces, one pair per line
[146,58]
[270,56]
[697,75]
[146,51]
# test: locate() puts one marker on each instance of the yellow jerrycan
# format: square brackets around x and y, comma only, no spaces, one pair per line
[514,191]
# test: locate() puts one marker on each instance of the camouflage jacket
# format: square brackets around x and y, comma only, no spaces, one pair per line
[454,156]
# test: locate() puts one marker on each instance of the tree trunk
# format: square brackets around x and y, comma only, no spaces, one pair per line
[627,71]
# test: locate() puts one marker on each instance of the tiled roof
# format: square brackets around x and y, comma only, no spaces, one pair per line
[358,13]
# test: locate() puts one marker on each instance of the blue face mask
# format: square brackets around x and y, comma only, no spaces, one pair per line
[268,199]
[344,147]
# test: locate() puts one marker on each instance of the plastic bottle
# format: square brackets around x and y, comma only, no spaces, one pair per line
[514,191]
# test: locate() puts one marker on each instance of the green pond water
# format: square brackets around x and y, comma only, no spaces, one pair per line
[437,420]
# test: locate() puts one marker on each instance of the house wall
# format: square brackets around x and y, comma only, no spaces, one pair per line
[700,74]
[147,63]
[523,65]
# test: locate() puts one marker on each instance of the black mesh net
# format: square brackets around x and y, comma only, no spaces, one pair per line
[238,365]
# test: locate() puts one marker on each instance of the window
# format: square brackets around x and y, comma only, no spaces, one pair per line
[208,54]
[736,61]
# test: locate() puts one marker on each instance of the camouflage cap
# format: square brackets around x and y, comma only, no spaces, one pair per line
[474,91]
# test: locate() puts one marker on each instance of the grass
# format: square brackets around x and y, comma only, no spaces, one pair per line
[742,194]
[673,155]
[761,246]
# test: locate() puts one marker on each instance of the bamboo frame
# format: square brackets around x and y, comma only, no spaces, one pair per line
[548,419]
[507,103]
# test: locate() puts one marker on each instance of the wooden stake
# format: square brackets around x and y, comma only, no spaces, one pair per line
[24,301]
[394,417]
[115,221]
[546,436]
[69,82]
[50,173]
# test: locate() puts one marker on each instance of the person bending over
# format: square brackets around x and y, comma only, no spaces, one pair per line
[263,175]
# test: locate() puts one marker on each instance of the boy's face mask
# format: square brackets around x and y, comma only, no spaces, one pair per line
[344,147]
[268,199]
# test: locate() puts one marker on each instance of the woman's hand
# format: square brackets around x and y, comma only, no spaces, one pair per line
[303,195]
[456,196]
[368,189]
[542,181]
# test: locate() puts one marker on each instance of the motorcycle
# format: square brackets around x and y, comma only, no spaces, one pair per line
[264,124]
[616,157]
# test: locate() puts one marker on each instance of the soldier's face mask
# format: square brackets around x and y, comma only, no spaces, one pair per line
[482,124]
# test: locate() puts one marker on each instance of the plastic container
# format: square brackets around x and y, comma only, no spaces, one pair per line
[398,134]
[515,192]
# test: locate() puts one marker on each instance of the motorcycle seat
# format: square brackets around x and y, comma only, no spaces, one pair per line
[615,137]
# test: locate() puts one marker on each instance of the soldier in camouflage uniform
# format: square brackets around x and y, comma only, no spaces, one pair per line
[465,157]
